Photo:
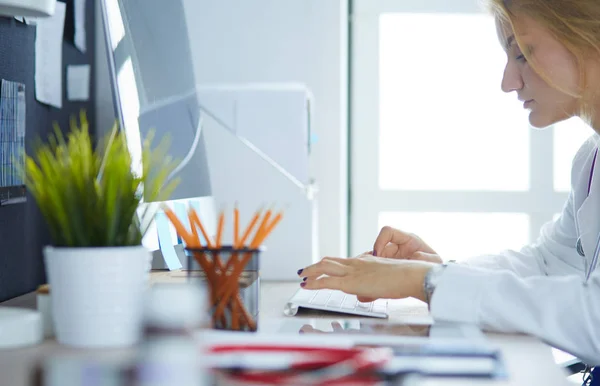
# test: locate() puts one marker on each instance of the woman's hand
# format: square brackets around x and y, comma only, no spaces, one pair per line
[368,277]
[394,243]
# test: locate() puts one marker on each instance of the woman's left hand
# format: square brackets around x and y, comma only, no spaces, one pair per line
[368,276]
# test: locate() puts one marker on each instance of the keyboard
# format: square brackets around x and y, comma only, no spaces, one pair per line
[335,301]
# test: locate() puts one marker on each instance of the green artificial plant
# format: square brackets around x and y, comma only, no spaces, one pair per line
[90,196]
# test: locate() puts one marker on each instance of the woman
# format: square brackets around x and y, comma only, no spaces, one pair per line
[551,288]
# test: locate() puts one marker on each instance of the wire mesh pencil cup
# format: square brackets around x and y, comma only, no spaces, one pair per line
[233,280]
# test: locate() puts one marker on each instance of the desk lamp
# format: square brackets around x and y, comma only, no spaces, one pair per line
[219,103]
[225,106]
[308,187]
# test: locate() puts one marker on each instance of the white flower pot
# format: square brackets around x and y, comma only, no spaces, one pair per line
[97,294]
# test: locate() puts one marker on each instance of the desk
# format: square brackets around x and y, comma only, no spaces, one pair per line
[529,361]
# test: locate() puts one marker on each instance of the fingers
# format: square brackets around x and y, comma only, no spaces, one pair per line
[325,282]
[328,266]
[431,257]
[389,235]
[336,259]
[389,250]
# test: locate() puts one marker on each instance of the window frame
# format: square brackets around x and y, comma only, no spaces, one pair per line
[541,202]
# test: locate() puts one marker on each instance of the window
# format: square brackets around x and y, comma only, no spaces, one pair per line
[568,137]
[440,107]
[437,148]
[479,232]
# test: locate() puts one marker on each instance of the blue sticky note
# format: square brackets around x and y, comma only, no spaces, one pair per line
[165,242]
[183,217]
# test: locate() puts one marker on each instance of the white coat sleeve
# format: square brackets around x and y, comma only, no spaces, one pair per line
[563,311]
[554,253]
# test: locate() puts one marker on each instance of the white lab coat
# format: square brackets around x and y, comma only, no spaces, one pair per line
[541,289]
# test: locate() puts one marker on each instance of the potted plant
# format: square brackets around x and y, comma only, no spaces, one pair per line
[90,199]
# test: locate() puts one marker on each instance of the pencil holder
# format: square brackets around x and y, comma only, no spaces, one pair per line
[232,277]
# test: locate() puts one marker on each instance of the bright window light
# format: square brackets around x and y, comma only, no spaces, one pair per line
[568,138]
[444,122]
[456,236]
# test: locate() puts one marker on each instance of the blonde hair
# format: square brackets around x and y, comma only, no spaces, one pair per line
[574,23]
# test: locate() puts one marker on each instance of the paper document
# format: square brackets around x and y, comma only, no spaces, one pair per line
[80,34]
[181,212]
[78,82]
[12,133]
[165,241]
[48,57]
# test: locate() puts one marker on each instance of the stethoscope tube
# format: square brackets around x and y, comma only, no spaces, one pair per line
[579,246]
[594,261]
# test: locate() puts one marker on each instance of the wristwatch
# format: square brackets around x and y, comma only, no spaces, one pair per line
[432,278]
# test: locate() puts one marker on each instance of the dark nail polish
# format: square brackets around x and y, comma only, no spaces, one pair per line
[304,279]
[300,271]
[374,252]
[302,284]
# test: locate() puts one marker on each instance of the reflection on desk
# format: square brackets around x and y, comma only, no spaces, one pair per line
[528,361]
[441,350]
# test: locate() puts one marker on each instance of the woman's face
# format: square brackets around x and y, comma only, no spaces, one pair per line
[547,105]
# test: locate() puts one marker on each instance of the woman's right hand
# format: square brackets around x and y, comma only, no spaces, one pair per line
[396,244]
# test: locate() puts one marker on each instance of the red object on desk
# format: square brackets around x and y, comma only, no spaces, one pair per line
[301,365]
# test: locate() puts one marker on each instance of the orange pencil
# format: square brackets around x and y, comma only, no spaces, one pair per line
[229,288]
[235,319]
[249,228]
[236,226]
[245,236]
[197,243]
[235,325]
[219,236]
[205,264]
[187,237]
[269,229]
[196,219]
[261,228]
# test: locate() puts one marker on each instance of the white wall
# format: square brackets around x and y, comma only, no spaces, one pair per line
[282,41]
[276,41]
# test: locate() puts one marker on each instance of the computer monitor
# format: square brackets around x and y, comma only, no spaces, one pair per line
[254,145]
[149,61]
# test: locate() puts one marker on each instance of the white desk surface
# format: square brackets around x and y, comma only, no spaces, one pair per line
[529,361]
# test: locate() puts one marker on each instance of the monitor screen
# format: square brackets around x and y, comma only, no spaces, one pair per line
[150,64]
[151,75]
